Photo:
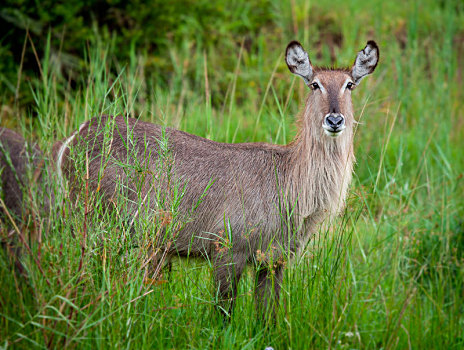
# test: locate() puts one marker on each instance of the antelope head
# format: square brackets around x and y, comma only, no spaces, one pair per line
[329,107]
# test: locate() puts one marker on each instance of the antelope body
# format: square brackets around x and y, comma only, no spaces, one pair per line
[16,158]
[269,197]
[21,173]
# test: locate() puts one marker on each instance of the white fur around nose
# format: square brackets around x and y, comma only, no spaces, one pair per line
[328,130]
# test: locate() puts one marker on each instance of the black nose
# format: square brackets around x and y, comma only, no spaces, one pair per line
[335,120]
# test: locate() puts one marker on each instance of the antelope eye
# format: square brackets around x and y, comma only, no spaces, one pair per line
[350,86]
[314,86]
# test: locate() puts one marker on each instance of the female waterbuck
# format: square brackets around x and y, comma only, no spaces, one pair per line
[17,158]
[24,190]
[242,203]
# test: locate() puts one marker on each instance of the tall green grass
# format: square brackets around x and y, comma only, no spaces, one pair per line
[389,272]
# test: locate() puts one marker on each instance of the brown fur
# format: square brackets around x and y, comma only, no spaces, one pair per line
[22,173]
[255,184]
[15,160]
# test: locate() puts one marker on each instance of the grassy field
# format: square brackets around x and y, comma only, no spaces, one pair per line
[389,274]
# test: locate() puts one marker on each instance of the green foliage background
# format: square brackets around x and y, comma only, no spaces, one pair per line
[390,273]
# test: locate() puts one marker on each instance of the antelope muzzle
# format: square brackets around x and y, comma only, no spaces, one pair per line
[334,124]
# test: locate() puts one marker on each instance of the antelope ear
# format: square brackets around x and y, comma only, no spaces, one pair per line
[365,62]
[298,62]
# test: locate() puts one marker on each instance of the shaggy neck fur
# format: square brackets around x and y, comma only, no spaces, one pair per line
[321,170]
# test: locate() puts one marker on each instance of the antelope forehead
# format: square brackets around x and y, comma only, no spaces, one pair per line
[332,79]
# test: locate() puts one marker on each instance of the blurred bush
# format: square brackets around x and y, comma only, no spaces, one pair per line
[148,26]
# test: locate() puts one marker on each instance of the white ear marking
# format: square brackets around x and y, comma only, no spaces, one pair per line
[298,62]
[365,62]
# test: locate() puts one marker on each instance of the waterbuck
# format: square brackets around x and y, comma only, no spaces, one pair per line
[16,159]
[24,190]
[243,203]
